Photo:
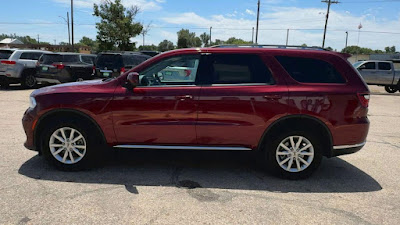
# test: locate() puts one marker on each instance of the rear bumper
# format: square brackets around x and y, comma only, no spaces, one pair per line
[48,80]
[346,149]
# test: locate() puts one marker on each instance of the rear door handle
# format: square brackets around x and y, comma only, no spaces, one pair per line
[184,97]
[272,97]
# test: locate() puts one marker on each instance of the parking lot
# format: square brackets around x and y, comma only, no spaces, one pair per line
[153,187]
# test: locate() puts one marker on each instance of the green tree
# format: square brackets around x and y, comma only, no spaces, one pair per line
[165,46]
[116,26]
[304,45]
[205,38]
[187,39]
[148,48]
[390,49]
[89,42]
[236,41]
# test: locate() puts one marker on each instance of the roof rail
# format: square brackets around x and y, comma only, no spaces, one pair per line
[272,46]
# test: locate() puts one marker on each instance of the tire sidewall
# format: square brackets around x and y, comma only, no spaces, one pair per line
[391,89]
[25,79]
[272,145]
[91,156]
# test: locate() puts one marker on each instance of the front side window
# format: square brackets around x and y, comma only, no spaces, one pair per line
[308,70]
[368,66]
[239,69]
[178,70]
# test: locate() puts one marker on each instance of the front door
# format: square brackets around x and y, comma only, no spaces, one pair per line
[163,109]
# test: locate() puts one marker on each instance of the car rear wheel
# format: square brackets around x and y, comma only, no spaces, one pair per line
[69,147]
[294,154]
[4,83]
[28,81]
[391,89]
[79,79]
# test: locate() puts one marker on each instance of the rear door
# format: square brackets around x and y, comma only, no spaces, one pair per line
[238,101]
[386,73]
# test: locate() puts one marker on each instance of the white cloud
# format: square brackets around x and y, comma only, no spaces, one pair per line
[306,27]
[145,5]
[250,12]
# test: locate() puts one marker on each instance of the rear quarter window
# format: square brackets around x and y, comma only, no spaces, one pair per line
[308,70]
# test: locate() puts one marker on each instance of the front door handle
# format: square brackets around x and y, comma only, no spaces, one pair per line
[272,97]
[184,97]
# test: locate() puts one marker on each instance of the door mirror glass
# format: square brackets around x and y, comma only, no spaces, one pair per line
[133,79]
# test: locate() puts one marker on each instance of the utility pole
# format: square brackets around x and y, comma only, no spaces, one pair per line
[38,39]
[330,2]
[347,38]
[258,20]
[72,24]
[69,32]
[252,36]
[287,37]
[210,36]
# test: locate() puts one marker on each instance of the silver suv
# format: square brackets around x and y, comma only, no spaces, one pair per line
[18,66]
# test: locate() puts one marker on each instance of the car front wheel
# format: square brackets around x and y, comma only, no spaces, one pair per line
[294,154]
[68,146]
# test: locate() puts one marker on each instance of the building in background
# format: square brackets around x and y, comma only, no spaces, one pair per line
[10,43]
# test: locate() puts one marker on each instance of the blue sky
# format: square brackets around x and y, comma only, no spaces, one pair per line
[304,18]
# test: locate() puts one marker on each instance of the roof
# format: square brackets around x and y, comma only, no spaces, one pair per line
[11,41]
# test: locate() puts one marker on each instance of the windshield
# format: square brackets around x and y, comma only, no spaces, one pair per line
[5,54]
[111,61]
[357,64]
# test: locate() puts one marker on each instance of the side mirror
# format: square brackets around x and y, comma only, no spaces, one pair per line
[132,80]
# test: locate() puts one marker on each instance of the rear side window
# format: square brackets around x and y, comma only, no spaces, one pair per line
[31,55]
[70,58]
[5,54]
[384,66]
[133,60]
[307,70]
[49,59]
[239,69]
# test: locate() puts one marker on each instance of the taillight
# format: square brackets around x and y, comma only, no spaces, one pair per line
[123,70]
[93,70]
[7,62]
[59,66]
[188,72]
[364,99]
[37,63]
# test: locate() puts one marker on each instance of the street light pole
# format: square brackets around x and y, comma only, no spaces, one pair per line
[67,21]
[258,20]
[210,36]
[287,37]
[347,38]
[72,24]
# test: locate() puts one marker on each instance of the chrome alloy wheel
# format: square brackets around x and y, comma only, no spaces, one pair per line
[67,145]
[295,154]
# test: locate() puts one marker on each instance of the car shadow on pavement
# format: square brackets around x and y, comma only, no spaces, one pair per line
[222,170]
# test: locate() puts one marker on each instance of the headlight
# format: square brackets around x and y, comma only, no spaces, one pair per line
[32,102]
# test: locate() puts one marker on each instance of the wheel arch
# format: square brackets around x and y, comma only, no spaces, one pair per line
[284,121]
[40,126]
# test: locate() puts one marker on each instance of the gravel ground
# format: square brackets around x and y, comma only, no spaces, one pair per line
[150,187]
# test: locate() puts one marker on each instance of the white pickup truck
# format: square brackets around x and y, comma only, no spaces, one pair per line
[381,73]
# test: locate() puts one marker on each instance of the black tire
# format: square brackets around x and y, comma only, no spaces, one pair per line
[28,80]
[4,83]
[95,147]
[391,89]
[271,146]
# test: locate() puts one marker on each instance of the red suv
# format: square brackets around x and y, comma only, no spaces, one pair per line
[291,105]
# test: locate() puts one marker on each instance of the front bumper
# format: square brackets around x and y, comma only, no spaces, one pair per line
[346,149]
[28,122]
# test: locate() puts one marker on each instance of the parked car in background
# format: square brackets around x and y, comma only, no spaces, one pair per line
[18,66]
[150,53]
[113,64]
[291,106]
[59,68]
[381,73]
[179,70]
